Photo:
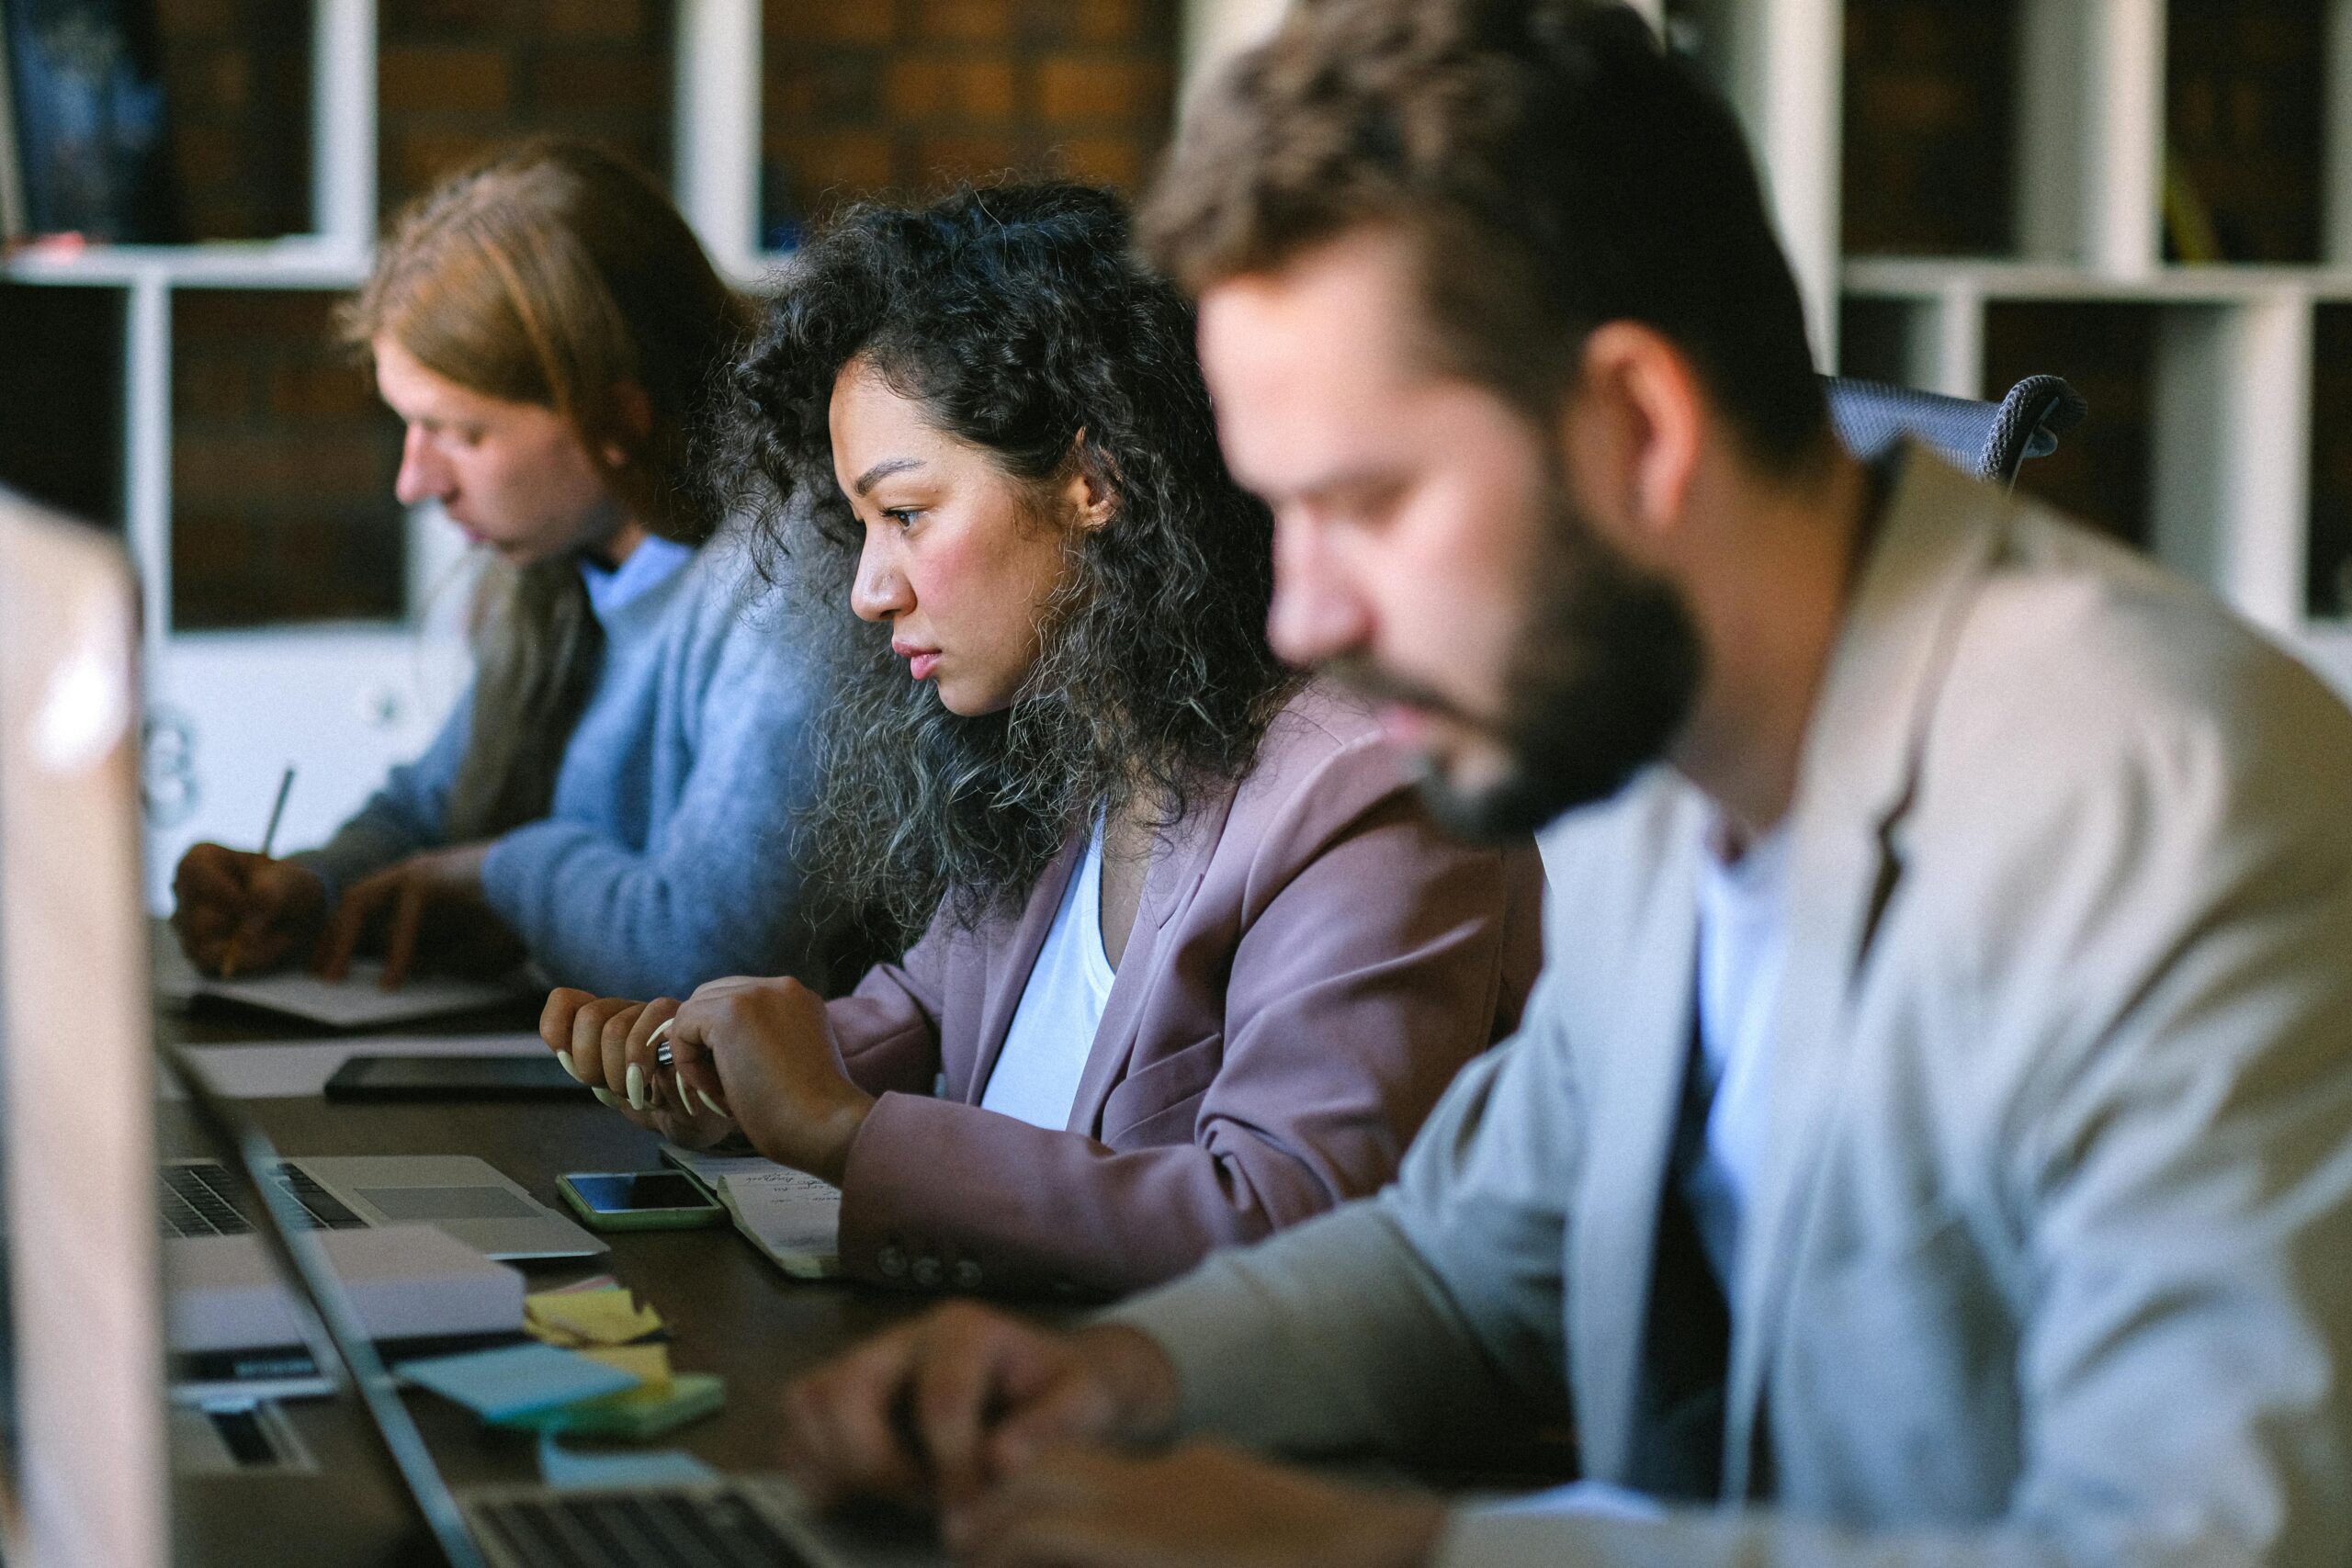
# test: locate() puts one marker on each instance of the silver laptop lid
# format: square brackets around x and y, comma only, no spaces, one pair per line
[86,1478]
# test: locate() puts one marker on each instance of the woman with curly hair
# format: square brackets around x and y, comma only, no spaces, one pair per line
[1198,961]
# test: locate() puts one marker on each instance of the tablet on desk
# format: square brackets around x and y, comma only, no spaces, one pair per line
[453,1078]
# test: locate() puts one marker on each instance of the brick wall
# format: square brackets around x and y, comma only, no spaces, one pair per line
[1928,102]
[2329,573]
[2244,90]
[60,398]
[2099,472]
[282,466]
[457,77]
[908,96]
[237,77]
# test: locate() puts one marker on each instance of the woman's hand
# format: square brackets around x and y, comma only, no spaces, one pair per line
[430,902]
[763,1051]
[240,913]
[606,1043]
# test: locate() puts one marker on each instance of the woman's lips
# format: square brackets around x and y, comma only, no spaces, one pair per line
[921,661]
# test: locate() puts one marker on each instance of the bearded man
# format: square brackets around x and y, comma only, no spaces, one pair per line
[1931,1139]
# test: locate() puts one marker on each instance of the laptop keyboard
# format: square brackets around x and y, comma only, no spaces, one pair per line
[634,1530]
[198,1200]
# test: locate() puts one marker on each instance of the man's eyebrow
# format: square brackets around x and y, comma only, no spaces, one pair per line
[883,470]
[1361,476]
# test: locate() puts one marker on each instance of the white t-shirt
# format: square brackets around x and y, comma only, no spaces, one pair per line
[1036,1074]
[1743,940]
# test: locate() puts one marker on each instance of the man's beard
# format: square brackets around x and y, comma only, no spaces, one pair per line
[1607,668]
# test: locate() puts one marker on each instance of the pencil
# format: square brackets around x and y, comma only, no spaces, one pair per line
[268,843]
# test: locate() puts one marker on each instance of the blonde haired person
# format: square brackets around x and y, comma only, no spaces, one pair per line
[612,796]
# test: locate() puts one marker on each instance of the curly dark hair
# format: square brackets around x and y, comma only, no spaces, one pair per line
[1018,318]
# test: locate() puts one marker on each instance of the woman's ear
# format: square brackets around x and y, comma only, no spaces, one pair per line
[1092,498]
[631,410]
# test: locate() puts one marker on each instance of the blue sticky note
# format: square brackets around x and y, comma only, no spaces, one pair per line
[562,1467]
[516,1379]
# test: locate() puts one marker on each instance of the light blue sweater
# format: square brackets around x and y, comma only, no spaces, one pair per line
[662,862]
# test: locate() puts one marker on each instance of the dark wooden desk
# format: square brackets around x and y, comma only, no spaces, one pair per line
[729,1309]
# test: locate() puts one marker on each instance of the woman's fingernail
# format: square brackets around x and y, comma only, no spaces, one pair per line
[715,1110]
[565,1057]
[637,1101]
[606,1099]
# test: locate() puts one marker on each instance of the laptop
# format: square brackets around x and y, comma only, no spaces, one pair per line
[87,1478]
[744,1521]
[83,1419]
[458,1193]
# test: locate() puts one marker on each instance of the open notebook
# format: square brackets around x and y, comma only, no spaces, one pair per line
[792,1217]
[355,1003]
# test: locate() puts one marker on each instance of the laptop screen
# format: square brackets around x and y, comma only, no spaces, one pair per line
[85,1472]
[85,1480]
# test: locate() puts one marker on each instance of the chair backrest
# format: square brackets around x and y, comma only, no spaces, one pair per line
[1991,441]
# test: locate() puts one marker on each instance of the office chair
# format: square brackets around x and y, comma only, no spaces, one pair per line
[1991,441]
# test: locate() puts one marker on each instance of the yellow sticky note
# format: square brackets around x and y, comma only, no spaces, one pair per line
[589,1318]
[649,1363]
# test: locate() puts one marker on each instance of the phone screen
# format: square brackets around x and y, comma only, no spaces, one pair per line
[619,1193]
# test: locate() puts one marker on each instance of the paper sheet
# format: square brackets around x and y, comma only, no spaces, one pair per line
[589,1318]
[793,1217]
[560,1466]
[355,1003]
[299,1068]
[709,1169]
[648,1363]
[516,1379]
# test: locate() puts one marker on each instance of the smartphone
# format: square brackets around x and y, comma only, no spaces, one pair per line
[639,1201]
[454,1077]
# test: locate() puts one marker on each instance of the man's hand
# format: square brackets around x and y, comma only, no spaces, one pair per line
[604,1041]
[763,1051]
[939,1410]
[240,913]
[432,901]
[1201,1507]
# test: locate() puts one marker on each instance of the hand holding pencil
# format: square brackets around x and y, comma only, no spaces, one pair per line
[240,912]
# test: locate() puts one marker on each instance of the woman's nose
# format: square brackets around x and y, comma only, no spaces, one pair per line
[423,476]
[880,589]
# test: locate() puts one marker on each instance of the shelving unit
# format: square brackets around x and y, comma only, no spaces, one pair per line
[2223,371]
[345,700]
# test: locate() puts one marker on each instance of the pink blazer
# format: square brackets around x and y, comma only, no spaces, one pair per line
[1312,962]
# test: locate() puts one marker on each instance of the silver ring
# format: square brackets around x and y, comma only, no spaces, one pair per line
[661,1042]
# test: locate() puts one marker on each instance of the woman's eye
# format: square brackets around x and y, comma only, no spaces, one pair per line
[904,516]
